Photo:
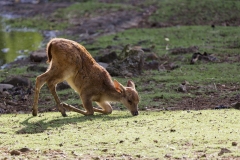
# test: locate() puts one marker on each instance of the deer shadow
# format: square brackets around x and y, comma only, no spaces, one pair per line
[44,124]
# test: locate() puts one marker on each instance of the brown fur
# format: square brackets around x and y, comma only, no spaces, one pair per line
[71,62]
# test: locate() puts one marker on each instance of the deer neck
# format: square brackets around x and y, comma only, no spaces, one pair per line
[112,95]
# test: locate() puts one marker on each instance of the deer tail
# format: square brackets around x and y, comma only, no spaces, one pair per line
[48,50]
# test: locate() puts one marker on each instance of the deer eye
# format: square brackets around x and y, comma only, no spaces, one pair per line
[129,101]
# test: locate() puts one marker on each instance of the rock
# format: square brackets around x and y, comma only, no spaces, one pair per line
[11,103]
[224,150]
[18,81]
[173,66]
[4,87]
[104,65]
[152,65]
[236,105]
[5,50]
[234,144]
[107,58]
[38,56]
[2,110]
[221,107]
[104,150]
[29,1]
[3,106]
[15,152]
[131,63]
[204,57]
[37,68]
[151,57]
[4,94]
[167,156]
[182,88]
[181,50]
[25,149]
[62,86]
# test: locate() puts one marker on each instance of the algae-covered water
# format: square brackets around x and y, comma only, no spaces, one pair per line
[17,43]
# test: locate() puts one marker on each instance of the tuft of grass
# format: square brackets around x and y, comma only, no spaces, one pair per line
[180,134]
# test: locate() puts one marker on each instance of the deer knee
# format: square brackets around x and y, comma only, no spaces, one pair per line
[89,113]
[108,111]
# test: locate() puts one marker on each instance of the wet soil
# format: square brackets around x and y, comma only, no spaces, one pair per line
[13,9]
[109,23]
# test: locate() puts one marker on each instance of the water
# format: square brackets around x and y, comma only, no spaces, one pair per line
[17,43]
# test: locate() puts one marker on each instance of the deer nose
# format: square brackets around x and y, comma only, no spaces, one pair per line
[134,113]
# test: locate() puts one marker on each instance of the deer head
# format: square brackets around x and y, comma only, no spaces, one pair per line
[129,96]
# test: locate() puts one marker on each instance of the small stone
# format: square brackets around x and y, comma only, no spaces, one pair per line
[4,87]
[62,86]
[17,81]
[37,68]
[182,88]
[15,152]
[108,58]
[121,141]
[224,150]
[167,156]
[38,56]
[104,150]
[234,144]
[104,65]
[25,149]
[236,105]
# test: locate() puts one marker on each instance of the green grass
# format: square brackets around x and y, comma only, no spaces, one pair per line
[218,40]
[63,18]
[194,12]
[149,135]
[164,84]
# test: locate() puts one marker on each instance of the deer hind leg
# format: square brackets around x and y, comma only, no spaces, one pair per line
[106,108]
[40,81]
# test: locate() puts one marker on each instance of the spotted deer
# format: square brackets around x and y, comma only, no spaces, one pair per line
[71,62]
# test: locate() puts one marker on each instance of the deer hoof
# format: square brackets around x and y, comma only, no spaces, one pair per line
[34,113]
[64,114]
[134,113]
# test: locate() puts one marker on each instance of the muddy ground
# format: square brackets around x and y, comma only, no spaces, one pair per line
[19,99]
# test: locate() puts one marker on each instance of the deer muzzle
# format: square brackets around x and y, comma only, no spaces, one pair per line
[134,113]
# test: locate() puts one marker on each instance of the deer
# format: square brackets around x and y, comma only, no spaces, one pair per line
[70,61]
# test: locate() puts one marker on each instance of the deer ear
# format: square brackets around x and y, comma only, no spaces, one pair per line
[119,87]
[131,84]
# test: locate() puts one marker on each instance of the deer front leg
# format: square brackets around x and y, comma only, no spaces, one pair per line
[87,104]
[106,108]
[52,89]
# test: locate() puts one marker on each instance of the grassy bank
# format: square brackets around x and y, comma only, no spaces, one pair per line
[181,134]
